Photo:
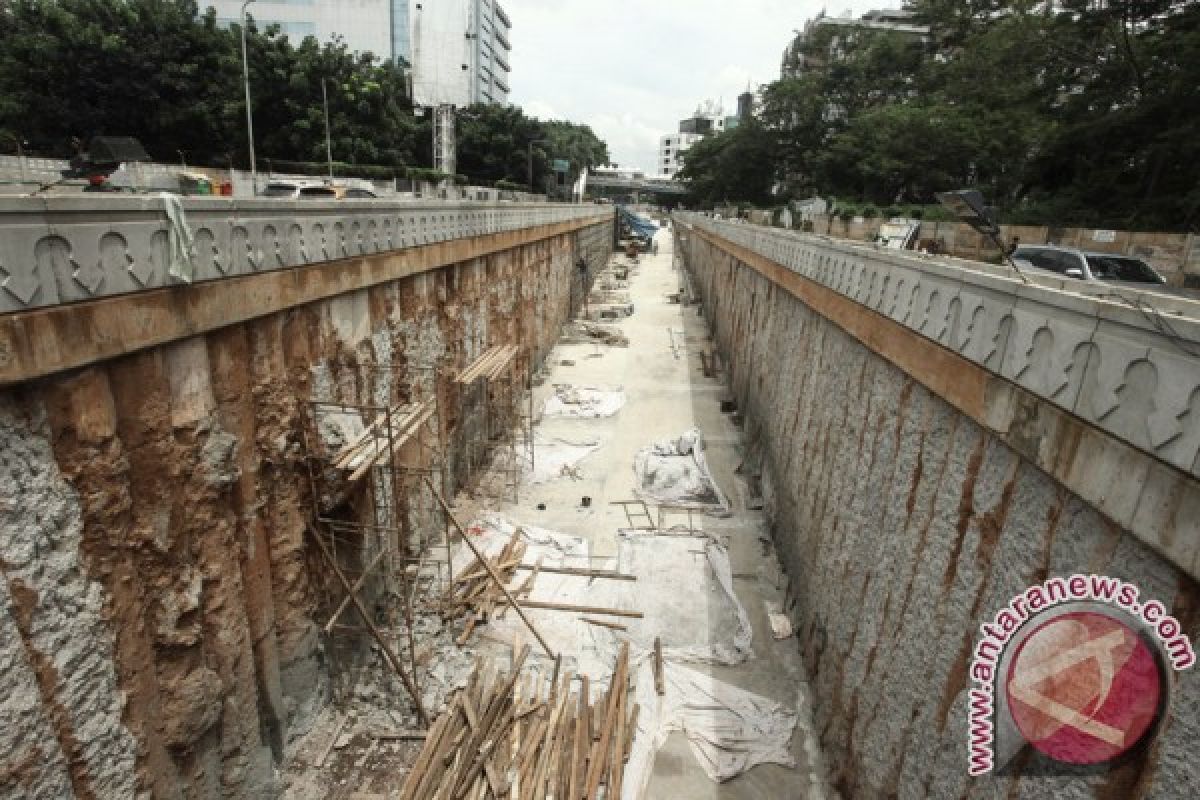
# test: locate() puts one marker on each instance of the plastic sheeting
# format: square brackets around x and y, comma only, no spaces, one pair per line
[729,729]
[674,472]
[684,588]
[583,402]
[637,223]
[557,458]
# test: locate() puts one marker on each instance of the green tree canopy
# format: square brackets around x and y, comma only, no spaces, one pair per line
[168,74]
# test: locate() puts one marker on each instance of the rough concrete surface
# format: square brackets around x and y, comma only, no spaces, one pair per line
[161,598]
[903,525]
[667,392]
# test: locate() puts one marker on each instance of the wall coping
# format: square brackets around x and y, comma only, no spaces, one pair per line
[1089,389]
[71,248]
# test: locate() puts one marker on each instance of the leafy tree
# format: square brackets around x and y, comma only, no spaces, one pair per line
[161,71]
[1073,112]
[735,166]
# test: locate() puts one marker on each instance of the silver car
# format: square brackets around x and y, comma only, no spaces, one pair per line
[1087,266]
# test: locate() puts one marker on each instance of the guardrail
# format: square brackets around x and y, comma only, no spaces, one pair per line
[62,249]
[1126,361]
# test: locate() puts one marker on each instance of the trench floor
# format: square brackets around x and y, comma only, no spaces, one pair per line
[667,392]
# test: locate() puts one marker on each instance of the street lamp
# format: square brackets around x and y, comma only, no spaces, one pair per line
[529,160]
[249,116]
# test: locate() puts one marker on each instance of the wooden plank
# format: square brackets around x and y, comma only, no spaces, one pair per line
[479,556]
[596,769]
[616,626]
[612,612]
[607,574]
[659,679]
[366,618]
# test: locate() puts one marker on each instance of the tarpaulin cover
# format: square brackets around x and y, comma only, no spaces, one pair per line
[638,224]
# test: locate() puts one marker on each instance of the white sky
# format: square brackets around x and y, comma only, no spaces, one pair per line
[633,68]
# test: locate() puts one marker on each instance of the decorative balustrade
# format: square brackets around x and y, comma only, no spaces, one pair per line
[65,249]
[1127,361]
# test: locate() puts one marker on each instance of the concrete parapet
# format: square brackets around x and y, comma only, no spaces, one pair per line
[1126,361]
[56,250]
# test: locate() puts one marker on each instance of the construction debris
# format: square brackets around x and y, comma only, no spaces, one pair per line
[582,331]
[507,737]
[583,402]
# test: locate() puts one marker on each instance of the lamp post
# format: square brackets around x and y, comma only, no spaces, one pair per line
[249,115]
[328,141]
[530,160]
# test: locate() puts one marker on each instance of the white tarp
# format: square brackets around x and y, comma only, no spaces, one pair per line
[557,458]
[729,729]
[674,472]
[583,401]
[684,588]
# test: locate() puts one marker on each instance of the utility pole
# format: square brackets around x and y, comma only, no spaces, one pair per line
[328,142]
[249,115]
[529,160]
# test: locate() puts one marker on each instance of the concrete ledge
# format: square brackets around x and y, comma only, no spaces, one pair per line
[67,249]
[37,343]
[1155,500]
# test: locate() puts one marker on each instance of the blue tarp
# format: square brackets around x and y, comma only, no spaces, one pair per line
[639,225]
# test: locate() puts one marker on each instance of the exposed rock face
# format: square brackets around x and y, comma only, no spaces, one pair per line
[903,526]
[160,604]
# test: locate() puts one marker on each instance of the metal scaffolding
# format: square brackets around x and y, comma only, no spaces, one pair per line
[504,444]
[373,472]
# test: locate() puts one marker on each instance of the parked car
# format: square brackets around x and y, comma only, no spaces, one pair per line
[1087,266]
[354,193]
[296,190]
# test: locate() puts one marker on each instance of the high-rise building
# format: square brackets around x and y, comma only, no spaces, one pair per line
[709,118]
[365,25]
[838,36]
[460,52]
[458,49]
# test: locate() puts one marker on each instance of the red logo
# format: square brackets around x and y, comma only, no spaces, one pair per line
[1084,688]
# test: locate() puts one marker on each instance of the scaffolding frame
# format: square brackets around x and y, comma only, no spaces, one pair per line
[392,464]
[505,444]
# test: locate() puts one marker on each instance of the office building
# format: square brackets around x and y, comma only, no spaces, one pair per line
[708,118]
[460,52]
[827,40]
[458,49]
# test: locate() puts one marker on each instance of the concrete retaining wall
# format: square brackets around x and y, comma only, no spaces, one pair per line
[905,521]
[160,604]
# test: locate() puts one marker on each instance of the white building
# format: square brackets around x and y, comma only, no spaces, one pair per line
[366,25]
[843,33]
[459,49]
[460,52]
[709,118]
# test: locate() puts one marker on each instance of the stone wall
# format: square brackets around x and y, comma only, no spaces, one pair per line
[904,524]
[161,603]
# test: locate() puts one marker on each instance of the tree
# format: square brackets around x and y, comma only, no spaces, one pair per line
[162,72]
[733,166]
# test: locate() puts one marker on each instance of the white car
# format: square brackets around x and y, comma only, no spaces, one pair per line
[295,190]
[1087,266]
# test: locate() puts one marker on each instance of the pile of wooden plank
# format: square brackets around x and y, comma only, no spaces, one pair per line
[475,593]
[491,364]
[384,437]
[513,738]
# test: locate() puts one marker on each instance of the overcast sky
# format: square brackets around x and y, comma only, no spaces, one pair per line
[633,68]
